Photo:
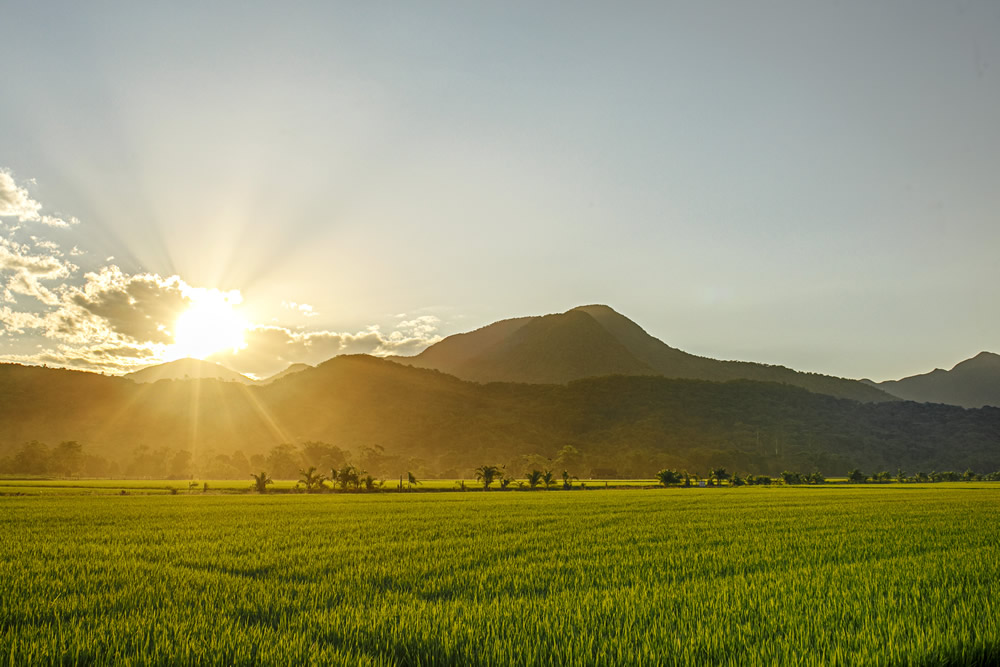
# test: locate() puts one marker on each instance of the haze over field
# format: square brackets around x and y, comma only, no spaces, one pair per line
[809,186]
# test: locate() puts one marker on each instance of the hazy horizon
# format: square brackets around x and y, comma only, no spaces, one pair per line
[814,187]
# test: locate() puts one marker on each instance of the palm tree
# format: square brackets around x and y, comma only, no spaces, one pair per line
[313,480]
[411,479]
[719,475]
[347,475]
[261,481]
[567,480]
[668,477]
[486,475]
[534,478]
[548,478]
[790,477]
[505,482]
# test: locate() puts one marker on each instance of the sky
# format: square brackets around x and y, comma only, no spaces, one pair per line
[808,184]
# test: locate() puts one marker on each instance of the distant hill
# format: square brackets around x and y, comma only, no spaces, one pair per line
[294,368]
[428,421]
[193,369]
[972,383]
[592,341]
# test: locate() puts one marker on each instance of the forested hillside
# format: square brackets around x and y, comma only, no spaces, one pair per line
[440,425]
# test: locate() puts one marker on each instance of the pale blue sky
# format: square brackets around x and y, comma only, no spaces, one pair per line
[811,184]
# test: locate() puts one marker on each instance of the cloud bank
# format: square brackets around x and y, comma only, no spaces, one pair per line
[112,321]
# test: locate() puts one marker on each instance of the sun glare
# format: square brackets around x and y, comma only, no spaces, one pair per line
[210,325]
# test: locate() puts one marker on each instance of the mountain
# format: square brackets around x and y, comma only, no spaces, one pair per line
[972,383]
[294,368]
[434,423]
[182,369]
[592,341]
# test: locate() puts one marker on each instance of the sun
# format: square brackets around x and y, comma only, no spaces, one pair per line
[209,325]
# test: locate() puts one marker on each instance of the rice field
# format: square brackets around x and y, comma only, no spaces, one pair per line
[899,574]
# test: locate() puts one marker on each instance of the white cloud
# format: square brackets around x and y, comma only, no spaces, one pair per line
[25,270]
[301,308]
[16,322]
[140,307]
[113,321]
[17,258]
[16,202]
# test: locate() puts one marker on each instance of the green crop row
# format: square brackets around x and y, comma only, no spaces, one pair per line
[848,575]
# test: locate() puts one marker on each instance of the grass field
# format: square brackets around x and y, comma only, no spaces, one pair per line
[902,574]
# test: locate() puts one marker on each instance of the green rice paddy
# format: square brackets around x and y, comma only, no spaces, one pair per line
[898,574]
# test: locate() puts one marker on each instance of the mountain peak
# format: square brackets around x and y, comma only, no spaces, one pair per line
[983,357]
[971,383]
[187,368]
[596,307]
[595,340]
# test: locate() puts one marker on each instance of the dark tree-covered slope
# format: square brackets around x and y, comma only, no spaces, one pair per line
[633,424]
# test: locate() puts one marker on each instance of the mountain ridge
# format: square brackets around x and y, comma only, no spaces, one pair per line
[972,383]
[187,368]
[562,347]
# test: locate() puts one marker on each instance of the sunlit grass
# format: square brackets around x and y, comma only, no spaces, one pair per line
[844,575]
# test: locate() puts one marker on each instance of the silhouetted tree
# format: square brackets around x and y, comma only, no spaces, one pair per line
[668,477]
[790,477]
[321,455]
[855,476]
[312,480]
[569,458]
[548,479]
[567,480]
[816,477]
[534,478]
[487,475]
[719,475]
[67,457]
[32,459]
[411,480]
[347,476]
[285,461]
[261,482]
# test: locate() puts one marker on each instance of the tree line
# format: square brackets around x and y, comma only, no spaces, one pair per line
[371,468]
[720,476]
